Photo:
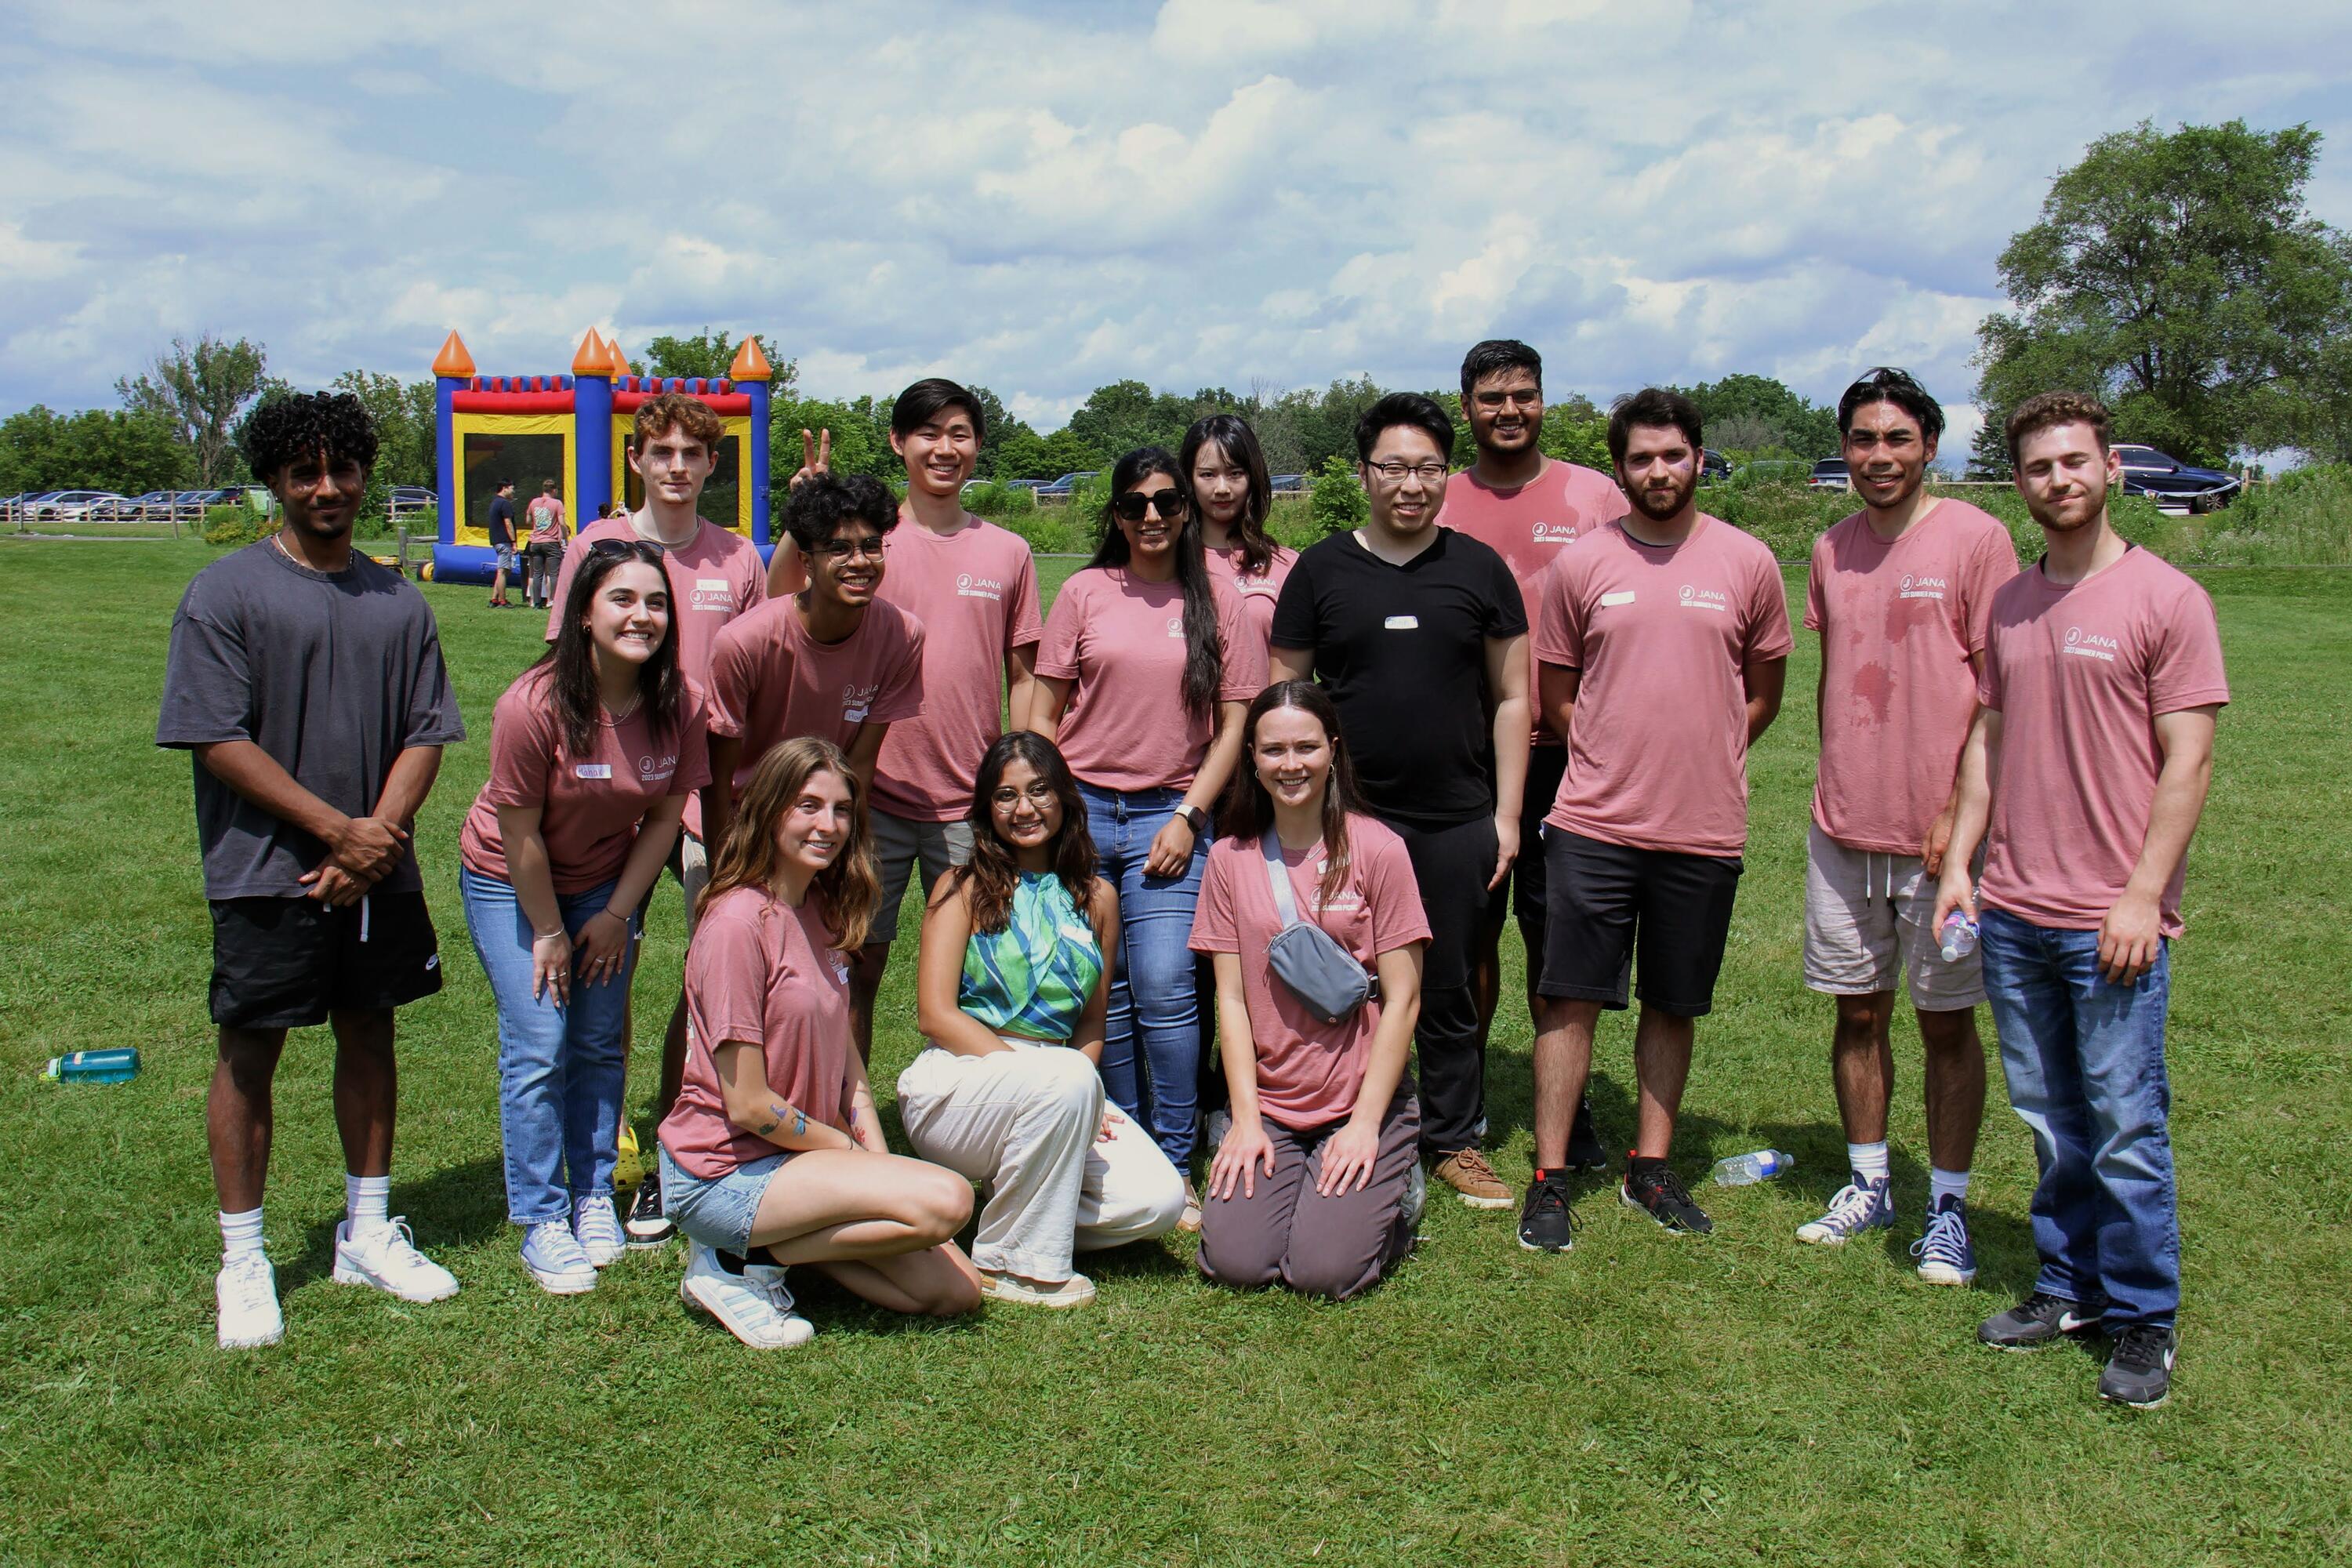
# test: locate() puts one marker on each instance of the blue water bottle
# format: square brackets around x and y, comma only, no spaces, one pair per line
[117,1064]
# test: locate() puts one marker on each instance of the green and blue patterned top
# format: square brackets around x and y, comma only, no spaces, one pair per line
[1032,978]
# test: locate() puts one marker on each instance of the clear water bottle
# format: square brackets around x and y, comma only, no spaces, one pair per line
[1764,1164]
[117,1064]
[1959,937]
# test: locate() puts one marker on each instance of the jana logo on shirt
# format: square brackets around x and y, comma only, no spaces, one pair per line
[652,768]
[713,594]
[856,700]
[2091,645]
[1175,626]
[1555,534]
[1698,598]
[971,587]
[1912,587]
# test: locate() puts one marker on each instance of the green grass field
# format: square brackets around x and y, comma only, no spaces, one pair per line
[1646,1398]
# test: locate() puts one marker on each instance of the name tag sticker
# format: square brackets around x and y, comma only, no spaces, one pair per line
[1402,623]
[709,583]
[1624,599]
[593,771]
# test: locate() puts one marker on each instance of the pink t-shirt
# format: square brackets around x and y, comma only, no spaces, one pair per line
[1309,1072]
[546,514]
[2080,675]
[1121,641]
[770,682]
[1659,756]
[760,971]
[1529,526]
[1898,624]
[590,806]
[1259,590]
[976,592]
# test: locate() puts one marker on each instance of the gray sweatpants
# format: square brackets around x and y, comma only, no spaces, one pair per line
[1335,1246]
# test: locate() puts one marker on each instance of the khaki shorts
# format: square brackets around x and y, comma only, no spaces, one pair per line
[1866,919]
[901,843]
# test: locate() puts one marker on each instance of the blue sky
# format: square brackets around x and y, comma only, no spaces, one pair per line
[1045,197]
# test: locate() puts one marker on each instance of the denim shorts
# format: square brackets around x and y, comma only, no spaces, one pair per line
[717,1212]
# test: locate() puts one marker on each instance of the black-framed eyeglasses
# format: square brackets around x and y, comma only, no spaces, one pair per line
[866,547]
[634,549]
[1395,473]
[1135,503]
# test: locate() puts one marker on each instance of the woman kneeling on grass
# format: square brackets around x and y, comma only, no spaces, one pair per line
[593,751]
[1012,968]
[1311,1184]
[773,1154]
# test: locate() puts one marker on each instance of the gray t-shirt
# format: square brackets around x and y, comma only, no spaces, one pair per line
[332,674]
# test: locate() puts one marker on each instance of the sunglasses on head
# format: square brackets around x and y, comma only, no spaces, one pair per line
[639,549]
[1134,504]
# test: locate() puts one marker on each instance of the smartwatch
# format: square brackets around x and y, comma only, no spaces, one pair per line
[1196,819]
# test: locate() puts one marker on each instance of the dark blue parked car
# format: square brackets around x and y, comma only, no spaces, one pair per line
[2167,481]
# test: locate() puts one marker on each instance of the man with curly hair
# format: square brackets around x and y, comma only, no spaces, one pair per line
[307,681]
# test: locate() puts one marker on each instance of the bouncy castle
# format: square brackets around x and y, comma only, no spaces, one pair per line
[574,430]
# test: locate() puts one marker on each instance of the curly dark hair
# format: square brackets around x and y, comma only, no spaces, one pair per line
[818,509]
[296,424]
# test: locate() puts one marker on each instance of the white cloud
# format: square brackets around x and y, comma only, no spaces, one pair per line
[1046,197]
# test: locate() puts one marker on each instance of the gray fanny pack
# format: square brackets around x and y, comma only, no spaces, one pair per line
[1308,960]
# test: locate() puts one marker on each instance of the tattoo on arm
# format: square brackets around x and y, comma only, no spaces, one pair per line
[800,1123]
[775,1114]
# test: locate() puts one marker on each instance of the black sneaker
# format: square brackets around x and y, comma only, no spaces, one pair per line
[2036,1321]
[1544,1223]
[646,1225]
[2140,1368]
[1585,1151]
[1656,1191]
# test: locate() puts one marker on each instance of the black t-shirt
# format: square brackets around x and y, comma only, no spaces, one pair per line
[1402,652]
[332,674]
[501,521]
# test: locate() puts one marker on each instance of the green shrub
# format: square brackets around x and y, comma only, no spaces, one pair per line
[232,525]
[2301,518]
[1291,521]
[1337,503]
[998,502]
[1054,530]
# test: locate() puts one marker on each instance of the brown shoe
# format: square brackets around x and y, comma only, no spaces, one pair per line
[1190,1222]
[1472,1180]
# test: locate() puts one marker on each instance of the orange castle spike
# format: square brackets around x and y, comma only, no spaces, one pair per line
[452,359]
[593,358]
[613,352]
[750,364]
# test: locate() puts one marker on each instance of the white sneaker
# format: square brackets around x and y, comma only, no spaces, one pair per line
[557,1260]
[598,1228]
[769,1277]
[247,1290]
[1077,1290]
[387,1259]
[745,1307]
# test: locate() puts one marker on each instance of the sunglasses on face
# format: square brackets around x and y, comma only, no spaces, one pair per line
[1134,504]
[637,549]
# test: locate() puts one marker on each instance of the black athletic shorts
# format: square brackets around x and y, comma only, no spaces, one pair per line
[285,963]
[1606,901]
[1521,894]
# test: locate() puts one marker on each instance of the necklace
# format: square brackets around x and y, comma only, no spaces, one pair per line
[621,714]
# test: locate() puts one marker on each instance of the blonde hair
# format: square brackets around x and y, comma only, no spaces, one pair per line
[848,886]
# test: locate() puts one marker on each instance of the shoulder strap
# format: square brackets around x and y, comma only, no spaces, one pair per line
[1277,876]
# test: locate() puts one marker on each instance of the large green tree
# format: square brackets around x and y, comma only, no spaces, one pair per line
[2177,276]
[1761,412]
[709,354]
[124,450]
[199,389]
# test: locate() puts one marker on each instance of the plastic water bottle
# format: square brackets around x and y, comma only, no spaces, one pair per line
[117,1064]
[1959,937]
[1764,1164]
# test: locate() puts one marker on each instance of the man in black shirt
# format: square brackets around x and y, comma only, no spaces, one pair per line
[500,523]
[307,682]
[1420,635]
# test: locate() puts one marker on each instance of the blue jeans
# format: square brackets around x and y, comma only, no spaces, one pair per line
[1151,1046]
[561,1071]
[2085,1060]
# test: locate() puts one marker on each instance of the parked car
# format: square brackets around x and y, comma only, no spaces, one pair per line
[75,506]
[1067,485]
[2167,481]
[1288,484]
[1829,474]
[1026,484]
[1713,468]
[412,495]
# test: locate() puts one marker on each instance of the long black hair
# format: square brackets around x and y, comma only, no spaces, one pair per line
[1248,810]
[579,699]
[994,869]
[1204,658]
[1230,434]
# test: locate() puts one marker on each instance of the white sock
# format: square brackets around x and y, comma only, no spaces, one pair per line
[368,1200]
[241,1235]
[1942,1185]
[1868,1160]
